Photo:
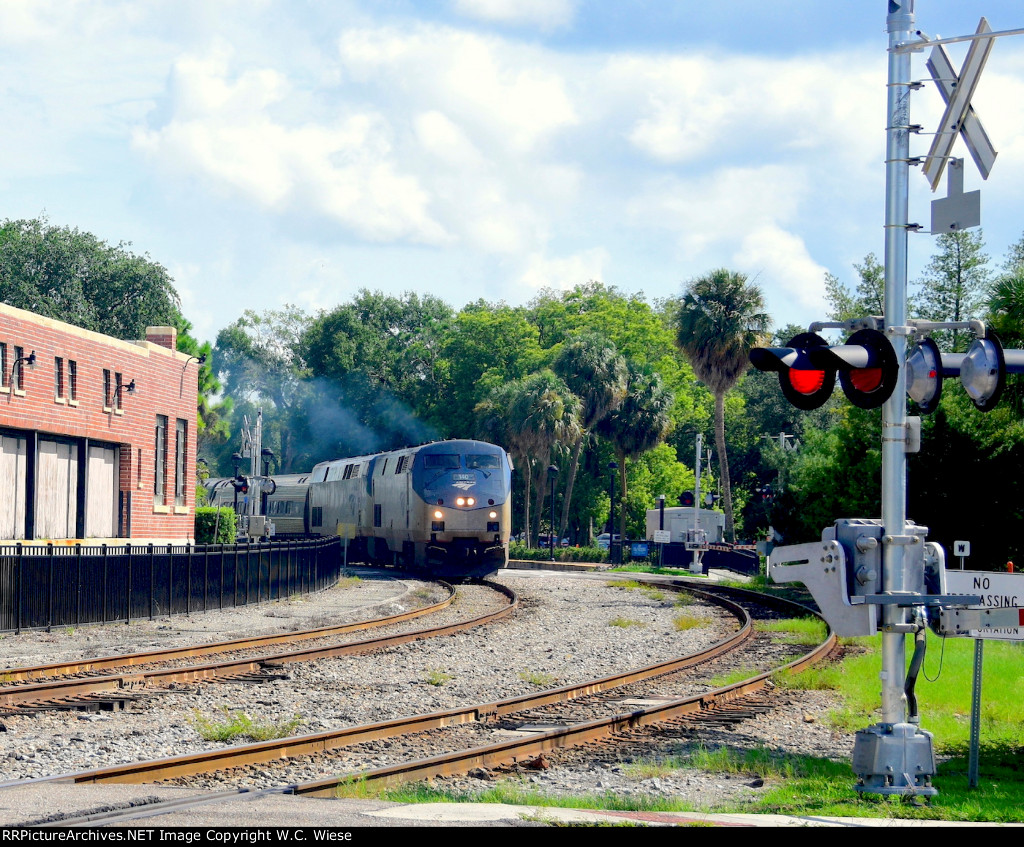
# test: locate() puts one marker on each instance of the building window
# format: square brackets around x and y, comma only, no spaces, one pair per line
[58,377]
[180,451]
[117,391]
[106,388]
[3,365]
[73,378]
[19,353]
[160,460]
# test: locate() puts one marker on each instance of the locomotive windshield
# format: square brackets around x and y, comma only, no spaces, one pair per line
[483,462]
[442,461]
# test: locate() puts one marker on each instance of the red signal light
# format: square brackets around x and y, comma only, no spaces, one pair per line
[806,382]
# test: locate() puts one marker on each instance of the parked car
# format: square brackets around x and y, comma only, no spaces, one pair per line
[604,538]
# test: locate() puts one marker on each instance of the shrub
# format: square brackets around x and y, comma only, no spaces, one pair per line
[206,520]
[562,554]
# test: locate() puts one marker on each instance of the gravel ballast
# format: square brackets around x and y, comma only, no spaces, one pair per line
[566,630]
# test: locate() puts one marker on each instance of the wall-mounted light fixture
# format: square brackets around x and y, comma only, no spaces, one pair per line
[130,388]
[201,358]
[30,360]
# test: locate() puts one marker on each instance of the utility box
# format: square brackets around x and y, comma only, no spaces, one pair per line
[679,523]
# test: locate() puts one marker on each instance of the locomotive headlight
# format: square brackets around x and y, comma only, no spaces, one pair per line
[470,501]
[460,501]
[492,515]
[438,515]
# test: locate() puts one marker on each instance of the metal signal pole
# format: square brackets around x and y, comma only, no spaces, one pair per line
[900,25]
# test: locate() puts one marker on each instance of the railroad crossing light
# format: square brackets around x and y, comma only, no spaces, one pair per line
[925,373]
[241,484]
[982,371]
[807,366]
[805,383]
[687,498]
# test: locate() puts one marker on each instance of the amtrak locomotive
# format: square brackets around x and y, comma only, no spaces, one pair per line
[444,507]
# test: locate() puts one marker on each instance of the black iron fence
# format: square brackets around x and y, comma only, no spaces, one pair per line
[54,585]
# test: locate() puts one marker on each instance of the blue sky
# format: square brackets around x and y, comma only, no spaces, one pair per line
[294,151]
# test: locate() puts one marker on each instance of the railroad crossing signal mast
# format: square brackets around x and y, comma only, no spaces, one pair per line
[871,575]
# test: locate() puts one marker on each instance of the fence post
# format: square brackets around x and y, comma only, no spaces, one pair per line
[78,603]
[188,579]
[49,592]
[17,623]
[152,579]
[131,566]
[170,580]
[103,602]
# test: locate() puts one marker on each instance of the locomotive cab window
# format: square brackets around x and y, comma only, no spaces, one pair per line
[483,462]
[441,461]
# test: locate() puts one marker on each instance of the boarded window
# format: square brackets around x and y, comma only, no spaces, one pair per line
[180,453]
[12,479]
[159,459]
[57,490]
[101,492]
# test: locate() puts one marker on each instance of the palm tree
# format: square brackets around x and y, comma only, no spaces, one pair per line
[639,424]
[721,318]
[531,416]
[595,372]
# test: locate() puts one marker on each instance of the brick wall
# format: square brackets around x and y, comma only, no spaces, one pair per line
[165,384]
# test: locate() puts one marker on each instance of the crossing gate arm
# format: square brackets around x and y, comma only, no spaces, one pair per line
[821,566]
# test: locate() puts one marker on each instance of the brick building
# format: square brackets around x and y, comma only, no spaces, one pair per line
[97,435]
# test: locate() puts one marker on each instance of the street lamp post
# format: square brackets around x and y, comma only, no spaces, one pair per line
[612,467]
[552,476]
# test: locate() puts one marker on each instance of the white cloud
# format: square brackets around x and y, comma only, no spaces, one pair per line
[509,94]
[565,272]
[779,261]
[546,14]
[707,211]
[224,127]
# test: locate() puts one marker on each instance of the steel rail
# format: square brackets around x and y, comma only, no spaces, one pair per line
[490,755]
[44,692]
[266,751]
[55,669]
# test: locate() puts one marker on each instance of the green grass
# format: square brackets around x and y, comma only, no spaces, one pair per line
[538,678]
[625,622]
[239,725]
[436,676]
[683,622]
[810,786]
[348,581]
[806,632]
[642,567]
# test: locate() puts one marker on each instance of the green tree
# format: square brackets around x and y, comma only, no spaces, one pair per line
[596,374]
[260,359]
[954,285]
[73,276]
[721,318]
[639,424]
[484,347]
[868,298]
[380,368]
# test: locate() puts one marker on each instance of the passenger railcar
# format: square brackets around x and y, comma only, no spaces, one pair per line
[444,507]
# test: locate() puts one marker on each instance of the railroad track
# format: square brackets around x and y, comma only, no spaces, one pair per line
[723,704]
[82,685]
